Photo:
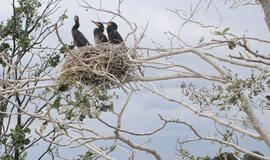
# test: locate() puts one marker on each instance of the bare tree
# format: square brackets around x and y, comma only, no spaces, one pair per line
[36,92]
[24,64]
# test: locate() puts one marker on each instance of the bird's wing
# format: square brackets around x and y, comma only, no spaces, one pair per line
[117,36]
[104,38]
[82,38]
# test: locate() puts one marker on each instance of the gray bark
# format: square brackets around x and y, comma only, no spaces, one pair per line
[255,122]
[266,8]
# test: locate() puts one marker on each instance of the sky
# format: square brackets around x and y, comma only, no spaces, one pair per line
[141,113]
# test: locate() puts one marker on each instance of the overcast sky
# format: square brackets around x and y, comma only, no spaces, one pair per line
[141,114]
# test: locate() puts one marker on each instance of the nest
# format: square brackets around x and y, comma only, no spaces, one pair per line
[103,63]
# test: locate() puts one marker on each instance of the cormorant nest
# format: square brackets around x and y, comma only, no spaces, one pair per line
[103,64]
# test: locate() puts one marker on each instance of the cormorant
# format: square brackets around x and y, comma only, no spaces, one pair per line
[98,33]
[78,37]
[113,35]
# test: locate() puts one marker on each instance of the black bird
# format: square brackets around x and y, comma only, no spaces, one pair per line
[78,37]
[113,34]
[98,33]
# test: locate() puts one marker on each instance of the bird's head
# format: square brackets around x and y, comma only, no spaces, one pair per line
[97,23]
[76,18]
[112,24]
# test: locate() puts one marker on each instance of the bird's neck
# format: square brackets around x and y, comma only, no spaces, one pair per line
[77,25]
[101,28]
[110,28]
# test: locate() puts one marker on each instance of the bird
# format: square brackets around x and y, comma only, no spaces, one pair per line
[99,37]
[78,37]
[113,34]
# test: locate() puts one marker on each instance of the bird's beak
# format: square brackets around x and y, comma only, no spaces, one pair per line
[107,23]
[94,22]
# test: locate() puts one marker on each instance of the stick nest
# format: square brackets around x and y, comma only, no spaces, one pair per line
[101,64]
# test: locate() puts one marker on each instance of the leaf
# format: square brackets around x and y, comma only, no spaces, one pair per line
[112,148]
[231,45]
[42,128]
[63,49]
[69,115]
[53,61]
[267,97]
[27,130]
[56,103]
[64,16]
[268,83]
[27,141]
[71,46]
[218,33]
[63,87]
[201,40]
[110,107]
[48,90]
[62,109]
[225,30]
[77,95]
[220,150]
[15,94]
[103,97]
[183,85]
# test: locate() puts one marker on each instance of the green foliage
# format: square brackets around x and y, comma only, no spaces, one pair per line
[206,158]
[118,72]
[228,96]
[15,140]
[248,157]
[63,49]
[187,155]
[91,155]
[88,155]
[227,135]
[103,97]
[76,101]
[231,45]
[63,17]
[56,102]
[63,87]
[28,8]
[226,30]
[3,47]
[5,157]
[222,32]
[201,40]
[23,41]
[18,27]
[18,137]
[23,34]
[92,104]
[230,156]
[51,60]
[54,60]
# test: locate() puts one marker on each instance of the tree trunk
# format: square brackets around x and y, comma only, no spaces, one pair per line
[266,8]
[255,121]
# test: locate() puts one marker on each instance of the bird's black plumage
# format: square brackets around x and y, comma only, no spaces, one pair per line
[99,37]
[113,34]
[78,37]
